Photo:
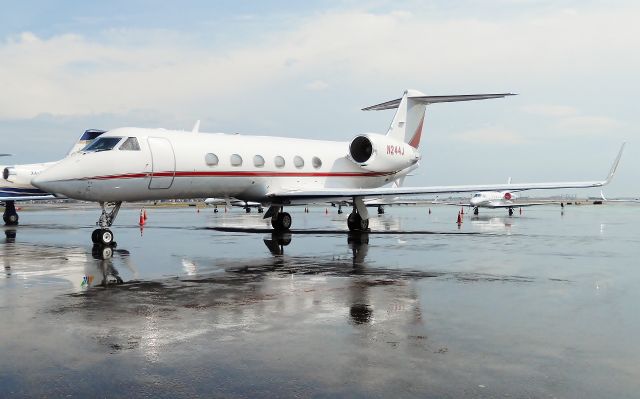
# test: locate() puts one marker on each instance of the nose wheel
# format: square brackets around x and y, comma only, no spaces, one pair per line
[102,235]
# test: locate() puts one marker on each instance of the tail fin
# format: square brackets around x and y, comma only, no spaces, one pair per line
[409,118]
[87,138]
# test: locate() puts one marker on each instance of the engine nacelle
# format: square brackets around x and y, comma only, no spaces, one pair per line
[22,174]
[379,153]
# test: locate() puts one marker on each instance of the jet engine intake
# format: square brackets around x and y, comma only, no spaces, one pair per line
[379,153]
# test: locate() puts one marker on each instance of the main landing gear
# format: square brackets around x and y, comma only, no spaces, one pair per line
[476,210]
[355,222]
[103,235]
[10,215]
[280,221]
[358,220]
[510,211]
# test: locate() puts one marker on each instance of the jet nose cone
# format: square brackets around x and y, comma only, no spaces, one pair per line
[43,183]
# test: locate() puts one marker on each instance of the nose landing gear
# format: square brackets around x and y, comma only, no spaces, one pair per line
[103,235]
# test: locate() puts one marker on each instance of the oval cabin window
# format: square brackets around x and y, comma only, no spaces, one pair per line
[298,162]
[211,159]
[258,161]
[316,162]
[236,160]
[279,161]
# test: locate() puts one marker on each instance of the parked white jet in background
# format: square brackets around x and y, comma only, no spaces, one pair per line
[495,200]
[133,164]
[247,205]
[16,180]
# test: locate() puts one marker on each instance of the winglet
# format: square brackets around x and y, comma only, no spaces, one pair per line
[196,127]
[615,165]
[602,196]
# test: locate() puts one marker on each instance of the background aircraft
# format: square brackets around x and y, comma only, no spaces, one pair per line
[247,205]
[16,180]
[131,164]
[496,200]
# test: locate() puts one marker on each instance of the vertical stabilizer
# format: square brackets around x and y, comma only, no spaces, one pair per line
[409,119]
[87,138]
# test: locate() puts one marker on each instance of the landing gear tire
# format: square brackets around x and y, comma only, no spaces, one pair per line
[260,210]
[476,211]
[215,210]
[247,210]
[10,219]
[380,210]
[94,236]
[281,221]
[102,236]
[356,223]
[10,215]
[510,211]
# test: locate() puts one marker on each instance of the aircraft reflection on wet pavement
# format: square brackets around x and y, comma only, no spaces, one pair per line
[69,263]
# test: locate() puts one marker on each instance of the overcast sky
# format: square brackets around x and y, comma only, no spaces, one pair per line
[304,69]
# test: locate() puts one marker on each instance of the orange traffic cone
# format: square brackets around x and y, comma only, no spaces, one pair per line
[462,210]
[141,222]
[326,211]
[521,211]
[429,211]
[459,219]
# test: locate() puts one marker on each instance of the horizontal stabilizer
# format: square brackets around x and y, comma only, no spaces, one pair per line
[436,99]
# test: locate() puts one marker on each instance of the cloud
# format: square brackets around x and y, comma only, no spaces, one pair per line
[569,121]
[489,135]
[122,70]
[589,124]
[550,110]
[317,85]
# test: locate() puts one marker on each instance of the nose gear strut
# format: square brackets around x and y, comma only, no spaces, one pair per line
[103,235]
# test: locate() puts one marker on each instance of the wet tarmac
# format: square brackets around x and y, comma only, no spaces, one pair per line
[200,304]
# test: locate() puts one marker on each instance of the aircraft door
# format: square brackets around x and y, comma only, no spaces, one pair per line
[163,163]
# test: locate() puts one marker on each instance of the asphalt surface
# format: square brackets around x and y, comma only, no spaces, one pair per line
[203,304]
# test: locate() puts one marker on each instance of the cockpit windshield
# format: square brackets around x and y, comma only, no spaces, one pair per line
[477,195]
[102,144]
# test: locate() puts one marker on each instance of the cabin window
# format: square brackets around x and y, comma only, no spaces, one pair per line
[236,160]
[130,144]
[211,159]
[298,161]
[316,162]
[258,161]
[102,144]
[279,161]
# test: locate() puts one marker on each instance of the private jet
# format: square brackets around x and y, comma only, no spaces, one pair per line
[135,164]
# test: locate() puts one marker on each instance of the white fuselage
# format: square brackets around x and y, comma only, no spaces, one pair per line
[178,164]
[492,199]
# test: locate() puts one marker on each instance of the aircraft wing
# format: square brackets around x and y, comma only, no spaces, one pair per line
[4,197]
[521,204]
[337,194]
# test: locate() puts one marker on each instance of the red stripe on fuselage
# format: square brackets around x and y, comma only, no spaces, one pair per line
[239,174]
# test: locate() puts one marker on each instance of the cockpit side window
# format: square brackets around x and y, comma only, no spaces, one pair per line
[130,144]
[102,144]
